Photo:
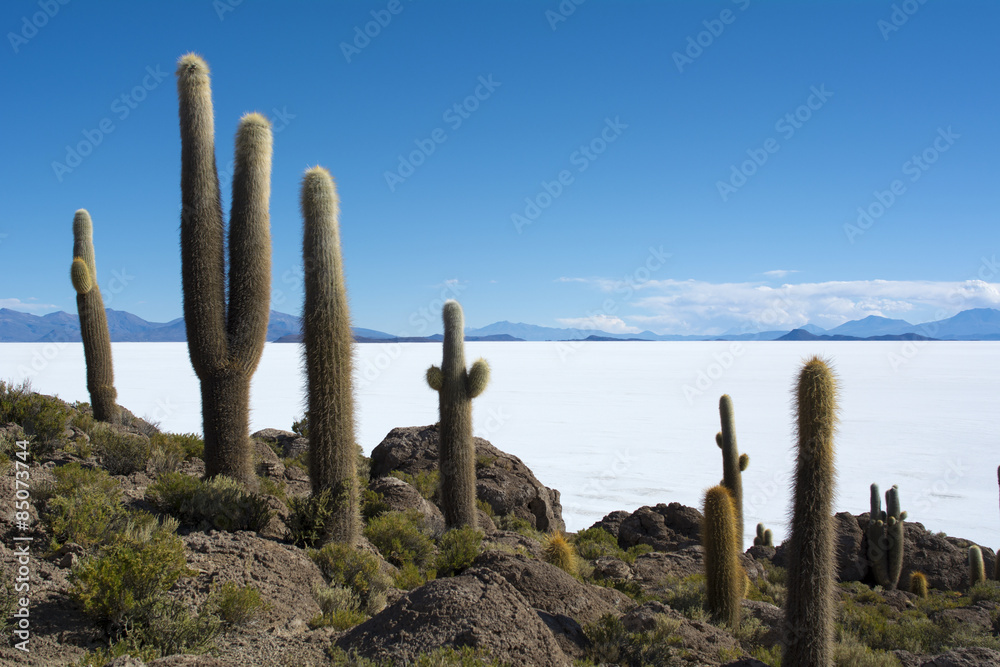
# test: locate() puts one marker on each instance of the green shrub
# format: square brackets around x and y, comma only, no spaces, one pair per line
[633,552]
[986,590]
[83,505]
[594,543]
[307,518]
[426,482]
[457,549]
[410,576]
[343,565]
[270,487]
[610,642]
[44,417]
[340,607]
[121,453]
[686,595]
[518,525]
[221,502]
[235,604]
[127,576]
[83,419]
[185,445]
[399,538]
[372,504]
[439,657]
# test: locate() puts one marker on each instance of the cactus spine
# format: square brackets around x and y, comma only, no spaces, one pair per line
[809,611]
[765,538]
[724,577]
[977,570]
[733,463]
[456,388]
[93,321]
[326,326]
[886,537]
[225,341]
[918,584]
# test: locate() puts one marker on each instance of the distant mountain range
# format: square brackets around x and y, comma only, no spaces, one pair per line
[974,324]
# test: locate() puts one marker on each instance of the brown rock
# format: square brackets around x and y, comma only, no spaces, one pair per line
[481,610]
[400,497]
[700,642]
[612,569]
[502,480]
[966,657]
[770,616]
[652,568]
[663,527]
[508,539]
[612,522]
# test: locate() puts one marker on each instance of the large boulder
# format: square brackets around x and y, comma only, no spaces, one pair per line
[663,527]
[696,642]
[502,480]
[481,610]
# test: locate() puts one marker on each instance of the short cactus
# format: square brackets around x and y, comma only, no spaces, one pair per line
[559,552]
[765,538]
[809,610]
[886,538]
[326,328]
[724,576]
[93,321]
[918,584]
[456,388]
[225,339]
[977,570]
[733,463]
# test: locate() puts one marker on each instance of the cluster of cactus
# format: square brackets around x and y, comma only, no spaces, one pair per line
[225,340]
[764,538]
[326,328]
[93,321]
[456,388]
[885,537]
[725,580]
[733,463]
[809,611]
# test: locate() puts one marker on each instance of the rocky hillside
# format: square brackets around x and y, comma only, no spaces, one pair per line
[133,560]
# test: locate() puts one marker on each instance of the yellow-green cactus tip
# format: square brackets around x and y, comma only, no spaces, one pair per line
[191,63]
[80,275]
[479,377]
[257,119]
[435,378]
[744,462]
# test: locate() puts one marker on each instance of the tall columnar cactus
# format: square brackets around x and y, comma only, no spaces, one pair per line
[977,570]
[93,321]
[326,326]
[764,538]
[456,388]
[809,611]
[733,463]
[225,340]
[724,577]
[886,537]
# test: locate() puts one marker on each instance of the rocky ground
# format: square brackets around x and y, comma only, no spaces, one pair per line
[510,602]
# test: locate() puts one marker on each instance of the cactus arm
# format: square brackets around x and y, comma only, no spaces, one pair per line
[80,275]
[478,378]
[435,378]
[250,243]
[202,234]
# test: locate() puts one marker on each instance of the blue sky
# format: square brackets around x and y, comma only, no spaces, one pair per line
[683,167]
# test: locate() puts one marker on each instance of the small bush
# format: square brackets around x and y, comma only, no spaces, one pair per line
[308,517]
[610,642]
[120,453]
[426,482]
[439,657]
[277,489]
[343,565]
[340,607]
[686,595]
[634,551]
[185,445]
[594,543]
[410,576]
[521,526]
[399,538]
[457,549]
[44,417]
[83,505]
[235,604]
[559,552]
[220,503]
[127,576]
[372,504]
[985,590]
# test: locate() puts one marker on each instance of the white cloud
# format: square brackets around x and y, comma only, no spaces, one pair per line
[27,306]
[600,322]
[779,273]
[699,307]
